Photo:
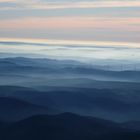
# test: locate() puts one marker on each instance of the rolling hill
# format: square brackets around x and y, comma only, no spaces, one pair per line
[66,126]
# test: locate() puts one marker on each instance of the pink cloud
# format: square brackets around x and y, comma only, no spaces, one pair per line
[67,23]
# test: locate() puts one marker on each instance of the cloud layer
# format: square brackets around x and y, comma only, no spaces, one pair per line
[107,20]
[37,4]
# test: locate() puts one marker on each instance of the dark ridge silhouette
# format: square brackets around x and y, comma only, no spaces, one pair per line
[132,125]
[102,104]
[118,105]
[12,109]
[66,126]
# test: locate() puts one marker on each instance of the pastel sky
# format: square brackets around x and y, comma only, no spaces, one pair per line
[89,20]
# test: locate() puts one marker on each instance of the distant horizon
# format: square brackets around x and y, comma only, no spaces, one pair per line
[72,42]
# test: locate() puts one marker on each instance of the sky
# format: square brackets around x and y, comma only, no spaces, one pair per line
[77,20]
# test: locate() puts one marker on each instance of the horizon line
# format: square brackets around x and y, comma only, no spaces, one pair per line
[71,42]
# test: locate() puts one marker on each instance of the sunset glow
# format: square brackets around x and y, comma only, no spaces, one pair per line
[105,21]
